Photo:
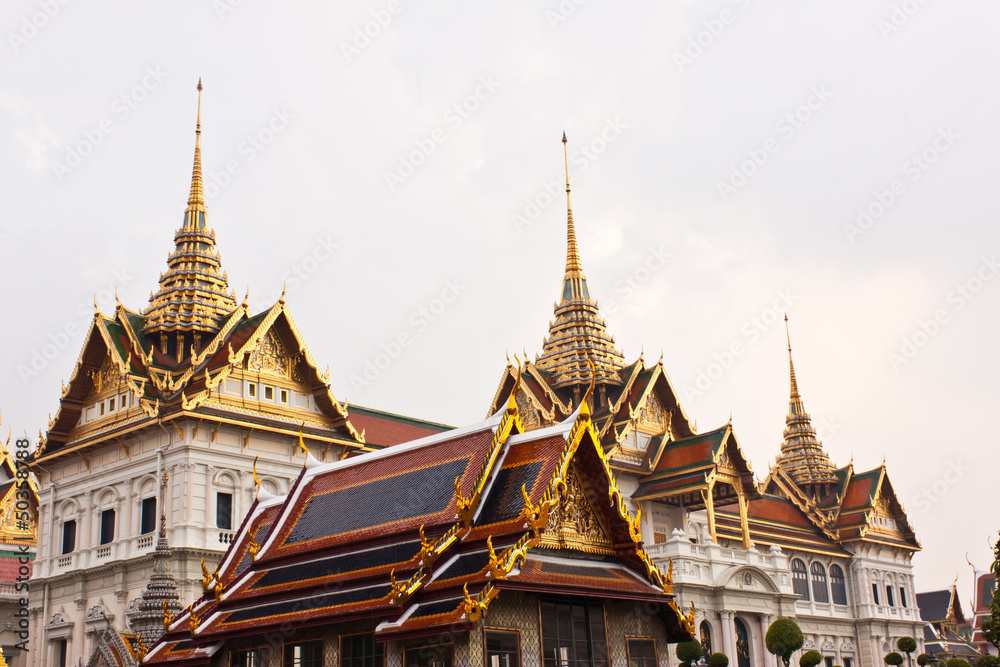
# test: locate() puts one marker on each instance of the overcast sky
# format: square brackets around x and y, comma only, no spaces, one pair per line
[392,162]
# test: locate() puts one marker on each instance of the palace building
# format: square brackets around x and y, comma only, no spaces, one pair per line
[482,545]
[830,547]
[164,415]
[205,500]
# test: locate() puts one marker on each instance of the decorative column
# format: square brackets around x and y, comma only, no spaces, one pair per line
[710,509]
[728,635]
[125,531]
[210,509]
[85,531]
[767,658]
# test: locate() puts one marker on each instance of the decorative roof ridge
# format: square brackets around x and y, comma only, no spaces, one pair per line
[637,370]
[538,373]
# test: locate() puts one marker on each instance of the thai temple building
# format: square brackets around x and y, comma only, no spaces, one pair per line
[193,390]
[204,499]
[828,546]
[947,632]
[984,587]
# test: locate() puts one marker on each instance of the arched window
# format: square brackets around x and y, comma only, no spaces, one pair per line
[800,580]
[888,595]
[837,584]
[820,593]
[706,639]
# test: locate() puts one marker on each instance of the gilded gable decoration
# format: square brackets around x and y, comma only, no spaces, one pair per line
[271,357]
[573,523]
[653,414]
[107,376]
[529,415]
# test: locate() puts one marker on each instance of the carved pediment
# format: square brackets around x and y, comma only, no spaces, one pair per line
[652,414]
[573,524]
[526,409]
[272,358]
[106,377]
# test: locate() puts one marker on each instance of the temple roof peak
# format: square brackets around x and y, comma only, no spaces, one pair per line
[194,293]
[802,455]
[577,335]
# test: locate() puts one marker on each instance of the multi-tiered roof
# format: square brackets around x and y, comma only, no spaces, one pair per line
[194,297]
[190,352]
[495,510]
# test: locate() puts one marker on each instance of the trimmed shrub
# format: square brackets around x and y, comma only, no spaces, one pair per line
[784,638]
[810,659]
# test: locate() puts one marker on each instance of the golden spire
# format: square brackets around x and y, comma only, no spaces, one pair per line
[572,252]
[194,292]
[196,201]
[791,366]
[578,336]
[802,455]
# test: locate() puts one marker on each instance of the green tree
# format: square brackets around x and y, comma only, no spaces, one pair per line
[957,662]
[810,659]
[907,645]
[894,659]
[783,639]
[722,660]
[688,652]
[922,659]
[987,661]
[991,624]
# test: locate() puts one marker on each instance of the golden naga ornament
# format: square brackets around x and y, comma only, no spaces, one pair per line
[193,621]
[474,608]
[167,618]
[206,578]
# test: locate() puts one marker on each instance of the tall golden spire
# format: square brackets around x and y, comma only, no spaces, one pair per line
[578,337]
[802,455]
[196,201]
[194,292]
[572,252]
[794,393]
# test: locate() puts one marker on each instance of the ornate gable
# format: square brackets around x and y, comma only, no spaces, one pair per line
[573,524]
